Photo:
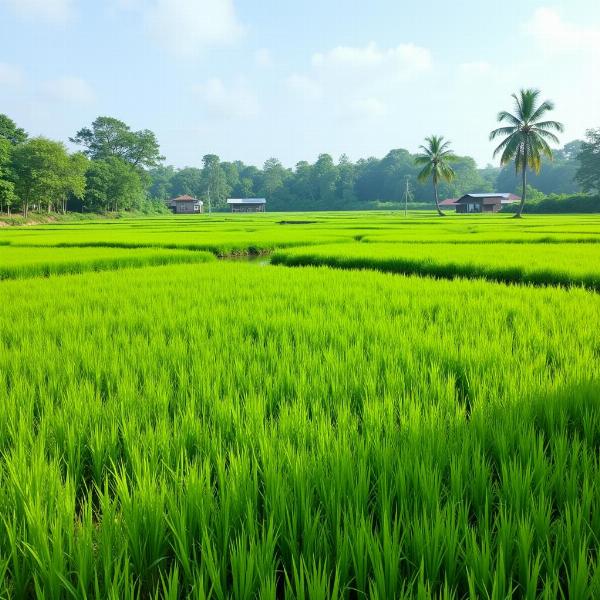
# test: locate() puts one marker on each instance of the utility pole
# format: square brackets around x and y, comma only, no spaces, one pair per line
[407,195]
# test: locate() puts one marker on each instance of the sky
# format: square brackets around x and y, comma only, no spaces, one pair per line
[254,79]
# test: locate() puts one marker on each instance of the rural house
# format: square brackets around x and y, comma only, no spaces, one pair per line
[247,204]
[482,203]
[185,205]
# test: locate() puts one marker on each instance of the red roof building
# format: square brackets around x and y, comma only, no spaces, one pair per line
[185,204]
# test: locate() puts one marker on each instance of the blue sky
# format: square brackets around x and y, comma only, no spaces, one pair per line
[252,79]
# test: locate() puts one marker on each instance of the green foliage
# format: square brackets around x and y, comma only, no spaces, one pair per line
[564,204]
[526,136]
[45,173]
[435,162]
[7,186]
[109,138]
[557,176]
[214,181]
[9,131]
[588,174]
[112,185]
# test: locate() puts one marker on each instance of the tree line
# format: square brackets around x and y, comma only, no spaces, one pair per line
[119,169]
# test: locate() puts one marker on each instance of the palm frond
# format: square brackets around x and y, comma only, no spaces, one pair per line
[502,131]
[503,115]
[541,110]
[422,159]
[508,140]
[547,135]
[425,173]
[527,140]
[550,125]
[528,101]
[435,158]
[510,149]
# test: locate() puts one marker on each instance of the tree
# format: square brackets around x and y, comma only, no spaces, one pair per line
[72,179]
[557,177]
[7,186]
[325,176]
[161,179]
[111,138]
[274,184]
[9,131]
[435,160]
[526,136]
[588,174]
[188,181]
[467,179]
[39,166]
[113,184]
[346,181]
[214,181]
[244,188]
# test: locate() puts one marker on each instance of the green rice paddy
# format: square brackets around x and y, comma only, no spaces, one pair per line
[222,429]
[552,264]
[17,262]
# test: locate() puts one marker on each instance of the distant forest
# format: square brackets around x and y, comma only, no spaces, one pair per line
[119,169]
[367,183]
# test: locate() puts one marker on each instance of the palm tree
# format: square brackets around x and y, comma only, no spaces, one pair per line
[527,135]
[436,158]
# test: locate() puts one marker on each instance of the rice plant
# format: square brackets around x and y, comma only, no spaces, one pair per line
[552,264]
[227,431]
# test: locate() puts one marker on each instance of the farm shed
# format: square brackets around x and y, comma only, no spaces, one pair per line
[482,203]
[247,204]
[185,205]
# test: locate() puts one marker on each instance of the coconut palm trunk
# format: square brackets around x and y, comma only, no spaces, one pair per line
[523,195]
[437,199]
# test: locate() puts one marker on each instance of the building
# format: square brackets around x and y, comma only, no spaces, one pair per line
[247,204]
[484,203]
[186,205]
[449,203]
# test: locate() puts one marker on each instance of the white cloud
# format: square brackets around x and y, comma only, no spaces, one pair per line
[479,67]
[69,89]
[10,76]
[557,36]
[235,101]
[186,27]
[263,58]
[399,62]
[50,10]
[361,82]
[304,86]
[366,108]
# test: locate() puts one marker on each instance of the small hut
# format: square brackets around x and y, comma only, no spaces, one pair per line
[186,205]
[484,203]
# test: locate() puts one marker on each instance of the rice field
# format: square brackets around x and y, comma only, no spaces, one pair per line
[552,264]
[22,262]
[228,429]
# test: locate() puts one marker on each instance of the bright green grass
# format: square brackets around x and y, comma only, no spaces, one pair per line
[17,262]
[235,431]
[258,234]
[562,264]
